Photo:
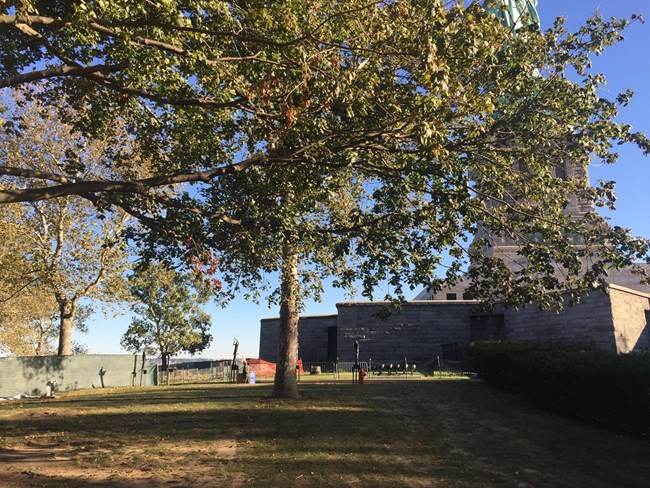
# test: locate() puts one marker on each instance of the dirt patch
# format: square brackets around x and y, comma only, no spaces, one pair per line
[142,467]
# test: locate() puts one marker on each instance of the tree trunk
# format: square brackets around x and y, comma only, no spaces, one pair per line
[164,356]
[40,342]
[285,385]
[66,311]
[40,338]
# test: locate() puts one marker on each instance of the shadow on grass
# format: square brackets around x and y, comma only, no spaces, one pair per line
[383,434]
[184,415]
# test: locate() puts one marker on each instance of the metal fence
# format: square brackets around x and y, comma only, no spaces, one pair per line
[221,371]
[331,367]
[319,367]
[182,373]
[393,367]
[346,367]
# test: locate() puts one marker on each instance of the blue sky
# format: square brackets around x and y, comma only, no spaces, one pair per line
[626,65]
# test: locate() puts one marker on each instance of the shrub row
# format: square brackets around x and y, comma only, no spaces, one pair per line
[582,381]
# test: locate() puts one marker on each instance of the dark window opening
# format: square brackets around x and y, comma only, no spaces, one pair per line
[452,352]
[487,327]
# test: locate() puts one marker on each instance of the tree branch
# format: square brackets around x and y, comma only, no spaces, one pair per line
[81,71]
[34,174]
[142,186]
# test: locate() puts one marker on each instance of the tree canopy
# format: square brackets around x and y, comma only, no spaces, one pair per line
[355,140]
[169,318]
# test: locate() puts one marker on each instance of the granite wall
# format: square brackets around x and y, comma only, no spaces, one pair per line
[631,313]
[416,332]
[589,322]
[312,338]
[616,320]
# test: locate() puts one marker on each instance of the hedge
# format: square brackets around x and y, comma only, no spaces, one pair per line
[582,381]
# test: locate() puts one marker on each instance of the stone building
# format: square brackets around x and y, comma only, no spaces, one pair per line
[615,320]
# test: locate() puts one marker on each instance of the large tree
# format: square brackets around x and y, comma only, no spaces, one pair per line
[350,139]
[64,249]
[29,314]
[169,319]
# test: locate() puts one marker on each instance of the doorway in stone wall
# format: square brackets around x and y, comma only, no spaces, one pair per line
[489,327]
[332,344]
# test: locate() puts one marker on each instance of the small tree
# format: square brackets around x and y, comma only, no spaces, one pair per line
[170,319]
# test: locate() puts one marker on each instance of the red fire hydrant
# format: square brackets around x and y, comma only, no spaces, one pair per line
[362,376]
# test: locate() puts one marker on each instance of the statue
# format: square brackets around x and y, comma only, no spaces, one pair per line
[515,14]
[234,368]
[356,367]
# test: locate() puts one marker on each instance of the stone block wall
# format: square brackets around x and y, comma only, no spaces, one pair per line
[312,338]
[269,329]
[29,375]
[416,332]
[589,322]
[631,313]
[616,320]
[456,291]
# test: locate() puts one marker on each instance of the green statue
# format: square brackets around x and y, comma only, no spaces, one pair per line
[515,14]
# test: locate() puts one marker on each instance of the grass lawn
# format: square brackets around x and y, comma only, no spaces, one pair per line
[382,434]
[343,377]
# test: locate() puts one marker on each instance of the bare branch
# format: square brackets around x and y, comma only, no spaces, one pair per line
[81,71]
[26,29]
[33,174]
[9,195]
[33,19]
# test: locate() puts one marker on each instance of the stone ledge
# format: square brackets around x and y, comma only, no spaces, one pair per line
[409,303]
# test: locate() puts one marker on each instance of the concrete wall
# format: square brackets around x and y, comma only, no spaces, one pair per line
[29,375]
[312,338]
[416,332]
[589,322]
[631,312]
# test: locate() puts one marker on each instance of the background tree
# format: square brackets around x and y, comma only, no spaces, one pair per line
[24,310]
[170,319]
[29,324]
[352,140]
[64,248]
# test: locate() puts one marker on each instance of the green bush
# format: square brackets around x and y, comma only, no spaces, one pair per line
[582,381]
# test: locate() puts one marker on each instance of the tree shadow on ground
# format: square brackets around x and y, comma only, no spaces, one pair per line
[337,435]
